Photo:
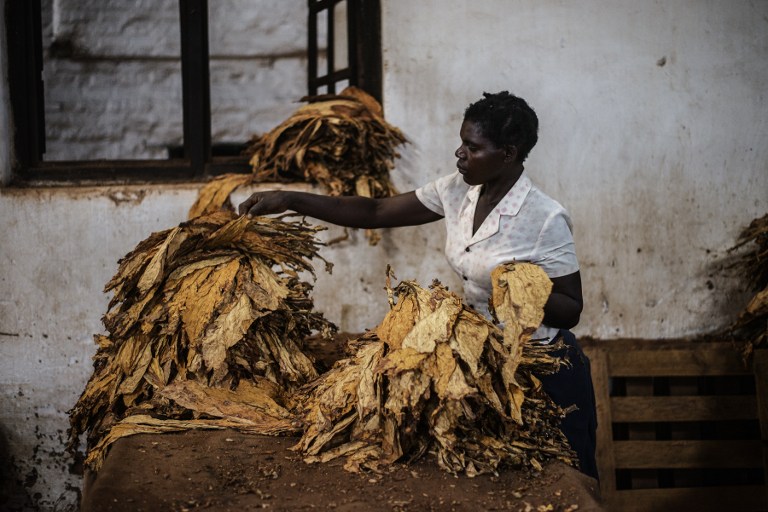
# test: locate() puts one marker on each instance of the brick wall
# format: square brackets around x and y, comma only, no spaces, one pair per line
[113,83]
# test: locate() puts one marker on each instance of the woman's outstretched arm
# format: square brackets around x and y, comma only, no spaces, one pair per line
[350,211]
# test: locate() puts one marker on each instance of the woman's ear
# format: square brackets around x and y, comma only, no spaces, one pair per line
[510,153]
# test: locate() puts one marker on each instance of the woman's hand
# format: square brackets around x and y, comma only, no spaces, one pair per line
[265,203]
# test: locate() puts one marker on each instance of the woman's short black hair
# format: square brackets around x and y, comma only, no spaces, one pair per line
[505,119]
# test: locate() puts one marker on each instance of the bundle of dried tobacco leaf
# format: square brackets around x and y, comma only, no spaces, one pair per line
[436,376]
[339,141]
[205,328]
[751,327]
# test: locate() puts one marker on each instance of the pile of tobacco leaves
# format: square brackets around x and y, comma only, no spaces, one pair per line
[437,377]
[341,142]
[205,330]
[751,327]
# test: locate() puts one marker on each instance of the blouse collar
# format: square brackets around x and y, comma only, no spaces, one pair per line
[510,205]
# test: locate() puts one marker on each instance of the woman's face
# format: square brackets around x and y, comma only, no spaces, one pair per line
[479,160]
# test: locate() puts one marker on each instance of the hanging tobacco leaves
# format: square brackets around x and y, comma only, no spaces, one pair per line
[339,141]
[205,330]
[751,327]
[436,376]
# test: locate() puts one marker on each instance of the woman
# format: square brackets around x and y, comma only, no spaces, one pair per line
[494,215]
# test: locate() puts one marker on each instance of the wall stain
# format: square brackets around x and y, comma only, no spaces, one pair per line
[133,197]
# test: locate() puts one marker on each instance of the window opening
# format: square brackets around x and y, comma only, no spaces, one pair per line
[258,68]
[112,81]
[201,145]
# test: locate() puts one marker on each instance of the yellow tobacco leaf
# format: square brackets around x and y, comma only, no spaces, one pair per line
[227,329]
[469,337]
[264,288]
[339,451]
[183,271]
[520,291]
[433,328]
[758,306]
[201,296]
[402,317]
[136,368]
[328,435]
[363,187]
[407,390]
[403,359]
[251,404]
[154,270]
[215,194]
[449,380]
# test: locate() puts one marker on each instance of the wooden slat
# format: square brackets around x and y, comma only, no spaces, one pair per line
[760,366]
[688,454]
[704,360]
[700,499]
[606,467]
[640,409]
[678,358]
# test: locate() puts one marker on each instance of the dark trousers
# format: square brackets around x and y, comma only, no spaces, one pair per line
[573,385]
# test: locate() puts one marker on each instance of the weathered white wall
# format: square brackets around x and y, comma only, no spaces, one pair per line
[652,134]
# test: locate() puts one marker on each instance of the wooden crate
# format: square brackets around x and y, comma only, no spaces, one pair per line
[682,425]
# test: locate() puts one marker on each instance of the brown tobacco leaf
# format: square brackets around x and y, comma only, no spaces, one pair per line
[435,376]
[750,329]
[258,403]
[215,194]
[204,317]
[758,305]
[341,142]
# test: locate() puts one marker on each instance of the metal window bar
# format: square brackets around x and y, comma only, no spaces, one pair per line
[363,47]
[25,79]
[195,84]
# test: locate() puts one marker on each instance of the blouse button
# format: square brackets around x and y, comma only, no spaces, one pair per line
[465,277]
[466,249]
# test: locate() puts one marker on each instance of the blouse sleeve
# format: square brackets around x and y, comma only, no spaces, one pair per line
[555,250]
[429,195]
[443,194]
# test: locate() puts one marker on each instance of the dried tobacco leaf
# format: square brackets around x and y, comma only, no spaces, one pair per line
[339,141]
[208,321]
[215,194]
[436,376]
[750,329]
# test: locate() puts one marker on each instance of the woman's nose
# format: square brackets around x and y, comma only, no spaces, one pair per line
[459,153]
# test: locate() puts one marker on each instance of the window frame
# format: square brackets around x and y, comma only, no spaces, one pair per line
[364,68]
[25,67]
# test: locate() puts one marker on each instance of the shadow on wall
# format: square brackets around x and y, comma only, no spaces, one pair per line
[13,487]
